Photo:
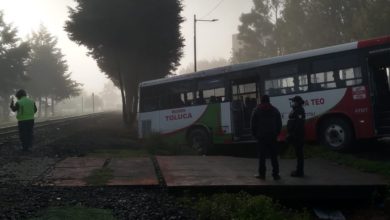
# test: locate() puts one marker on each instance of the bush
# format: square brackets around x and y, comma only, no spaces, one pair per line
[244,206]
[75,213]
[158,144]
[99,177]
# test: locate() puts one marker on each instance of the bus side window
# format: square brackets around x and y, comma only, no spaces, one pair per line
[339,83]
[350,76]
[300,83]
[269,87]
[274,92]
[280,86]
[213,95]
[213,99]
[149,104]
[190,99]
[322,80]
[289,90]
[219,94]
[178,102]
[199,98]
[162,102]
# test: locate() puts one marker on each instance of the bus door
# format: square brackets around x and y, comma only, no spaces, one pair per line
[244,94]
[379,66]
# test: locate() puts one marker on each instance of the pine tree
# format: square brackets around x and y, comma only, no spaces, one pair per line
[13,56]
[47,71]
[257,34]
[131,41]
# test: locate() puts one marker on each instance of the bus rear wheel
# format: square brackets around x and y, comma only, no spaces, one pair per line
[199,140]
[336,134]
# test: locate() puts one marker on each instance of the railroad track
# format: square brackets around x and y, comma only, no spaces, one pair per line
[12,130]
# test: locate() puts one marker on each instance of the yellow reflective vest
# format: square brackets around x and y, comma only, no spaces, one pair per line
[26,109]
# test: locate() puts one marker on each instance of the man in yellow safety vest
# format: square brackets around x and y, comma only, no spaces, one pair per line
[25,109]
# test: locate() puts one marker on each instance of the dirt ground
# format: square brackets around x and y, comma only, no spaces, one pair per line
[20,200]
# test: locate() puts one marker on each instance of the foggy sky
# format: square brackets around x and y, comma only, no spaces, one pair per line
[213,39]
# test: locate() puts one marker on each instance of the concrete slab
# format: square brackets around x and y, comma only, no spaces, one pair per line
[132,171]
[230,171]
[126,171]
[72,162]
[118,181]
[70,182]
[323,179]
[70,173]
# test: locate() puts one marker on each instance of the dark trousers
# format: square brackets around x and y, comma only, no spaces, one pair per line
[298,146]
[268,146]
[26,133]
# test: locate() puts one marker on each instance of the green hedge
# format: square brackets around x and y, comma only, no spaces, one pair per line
[243,206]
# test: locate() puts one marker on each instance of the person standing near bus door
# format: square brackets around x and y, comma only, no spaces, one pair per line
[296,132]
[266,123]
[26,110]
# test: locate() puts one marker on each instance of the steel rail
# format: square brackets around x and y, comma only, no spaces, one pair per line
[10,130]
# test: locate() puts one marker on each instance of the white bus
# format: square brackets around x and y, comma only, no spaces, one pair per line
[345,88]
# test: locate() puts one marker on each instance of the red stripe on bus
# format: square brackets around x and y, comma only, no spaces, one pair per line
[374,42]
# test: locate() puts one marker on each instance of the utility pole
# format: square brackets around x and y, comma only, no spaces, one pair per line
[195,43]
[93,102]
[195,20]
[82,104]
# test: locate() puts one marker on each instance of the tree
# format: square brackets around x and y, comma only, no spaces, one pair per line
[328,18]
[92,103]
[47,71]
[13,56]
[308,24]
[110,96]
[257,33]
[376,20]
[131,41]
[291,28]
[344,21]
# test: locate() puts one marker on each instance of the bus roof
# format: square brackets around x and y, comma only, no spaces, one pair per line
[269,61]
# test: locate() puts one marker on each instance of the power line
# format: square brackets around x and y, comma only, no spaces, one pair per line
[212,10]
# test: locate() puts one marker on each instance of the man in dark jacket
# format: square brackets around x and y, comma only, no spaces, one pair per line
[296,132]
[25,109]
[266,124]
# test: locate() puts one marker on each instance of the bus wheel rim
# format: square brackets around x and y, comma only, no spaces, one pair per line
[335,135]
[197,143]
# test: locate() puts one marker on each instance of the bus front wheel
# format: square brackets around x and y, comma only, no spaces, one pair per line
[337,134]
[199,140]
